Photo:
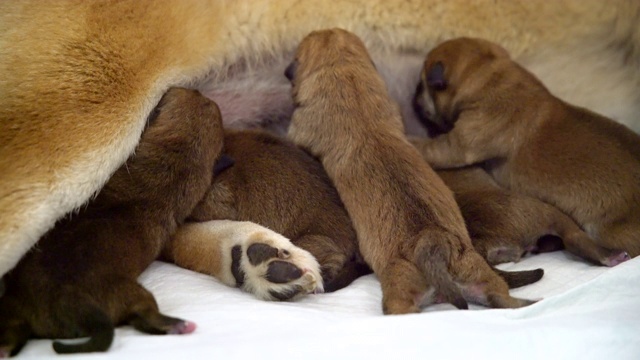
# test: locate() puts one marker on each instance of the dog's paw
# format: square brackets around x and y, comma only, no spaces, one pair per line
[269,266]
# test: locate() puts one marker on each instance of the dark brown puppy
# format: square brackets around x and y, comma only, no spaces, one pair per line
[277,185]
[410,230]
[497,113]
[81,279]
[504,225]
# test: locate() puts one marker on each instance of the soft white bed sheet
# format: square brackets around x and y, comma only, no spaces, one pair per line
[588,312]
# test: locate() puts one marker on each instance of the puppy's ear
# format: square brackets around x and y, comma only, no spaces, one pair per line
[435,77]
[290,72]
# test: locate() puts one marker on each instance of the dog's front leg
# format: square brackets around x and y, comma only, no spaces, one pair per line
[246,255]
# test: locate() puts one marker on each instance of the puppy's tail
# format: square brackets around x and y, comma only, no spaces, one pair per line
[433,254]
[515,279]
[100,330]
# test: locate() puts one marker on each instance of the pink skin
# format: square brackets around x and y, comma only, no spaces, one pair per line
[185,327]
[616,259]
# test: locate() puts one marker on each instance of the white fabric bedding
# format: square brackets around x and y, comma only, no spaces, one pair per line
[588,312]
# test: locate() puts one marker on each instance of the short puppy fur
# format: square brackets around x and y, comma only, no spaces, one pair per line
[409,228]
[81,280]
[493,111]
[504,225]
[277,185]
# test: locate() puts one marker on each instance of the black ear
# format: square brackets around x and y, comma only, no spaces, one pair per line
[435,77]
[290,72]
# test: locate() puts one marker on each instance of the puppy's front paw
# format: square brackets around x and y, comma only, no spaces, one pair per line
[272,268]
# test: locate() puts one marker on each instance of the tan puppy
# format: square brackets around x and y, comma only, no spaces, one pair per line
[79,78]
[277,185]
[82,281]
[504,225]
[531,142]
[410,230]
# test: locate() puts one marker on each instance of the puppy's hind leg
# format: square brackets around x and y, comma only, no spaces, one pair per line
[579,243]
[476,279]
[143,314]
[482,285]
[404,287]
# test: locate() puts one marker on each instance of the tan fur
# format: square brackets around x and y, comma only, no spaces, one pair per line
[83,279]
[504,225]
[532,142]
[79,78]
[409,229]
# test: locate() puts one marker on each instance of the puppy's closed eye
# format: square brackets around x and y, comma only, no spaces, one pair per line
[290,72]
[435,77]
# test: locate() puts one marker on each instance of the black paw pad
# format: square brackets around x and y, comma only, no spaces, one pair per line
[281,272]
[259,253]
[236,270]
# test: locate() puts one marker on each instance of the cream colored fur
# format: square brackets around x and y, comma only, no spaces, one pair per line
[79,78]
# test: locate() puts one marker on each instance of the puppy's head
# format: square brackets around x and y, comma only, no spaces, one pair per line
[452,77]
[325,49]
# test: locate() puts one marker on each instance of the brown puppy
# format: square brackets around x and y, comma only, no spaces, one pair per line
[81,281]
[504,225]
[410,230]
[277,185]
[497,113]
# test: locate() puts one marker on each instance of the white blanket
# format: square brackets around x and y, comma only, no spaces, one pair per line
[587,312]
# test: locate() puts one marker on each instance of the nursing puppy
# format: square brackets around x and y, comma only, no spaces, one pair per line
[410,230]
[82,279]
[277,185]
[496,113]
[504,225]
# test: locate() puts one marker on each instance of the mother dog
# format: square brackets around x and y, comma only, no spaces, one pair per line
[79,78]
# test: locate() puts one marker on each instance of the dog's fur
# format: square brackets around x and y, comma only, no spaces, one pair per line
[277,185]
[79,78]
[82,279]
[504,225]
[501,115]
[409,228]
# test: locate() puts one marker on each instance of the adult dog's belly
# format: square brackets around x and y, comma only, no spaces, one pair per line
[260,95]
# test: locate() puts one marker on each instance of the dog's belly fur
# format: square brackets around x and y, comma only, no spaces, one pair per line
[260,96]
